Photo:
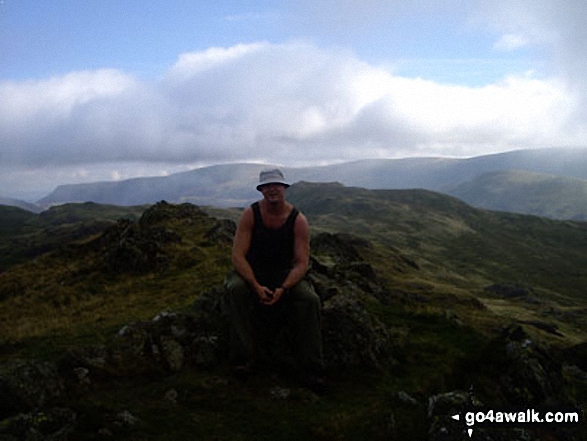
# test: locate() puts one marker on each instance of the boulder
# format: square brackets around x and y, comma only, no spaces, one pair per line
[352,336]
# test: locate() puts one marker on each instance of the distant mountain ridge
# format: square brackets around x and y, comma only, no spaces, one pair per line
[10,202]
[539,194]
[234,184]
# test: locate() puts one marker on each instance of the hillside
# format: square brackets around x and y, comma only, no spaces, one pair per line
[453,239]
[24,235]
[517,191]
[123,334]
[13,220]
[233,185]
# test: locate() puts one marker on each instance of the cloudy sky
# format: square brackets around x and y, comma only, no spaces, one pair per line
[110,89]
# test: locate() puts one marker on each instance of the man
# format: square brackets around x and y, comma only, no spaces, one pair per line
[271,305]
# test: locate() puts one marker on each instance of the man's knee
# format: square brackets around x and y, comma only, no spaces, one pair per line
[304,292]
[238,292]
[235,284]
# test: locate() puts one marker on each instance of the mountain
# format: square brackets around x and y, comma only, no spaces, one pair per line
[20,204]
[234,184]
[518,191]
[429,306]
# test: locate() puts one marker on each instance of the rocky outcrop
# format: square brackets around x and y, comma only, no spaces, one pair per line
[509,290]
[140,247]
[199,337]
[168,343]
[131,248]
[533,375]
[526,376]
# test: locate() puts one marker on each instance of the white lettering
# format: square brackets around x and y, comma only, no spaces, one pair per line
[528,416]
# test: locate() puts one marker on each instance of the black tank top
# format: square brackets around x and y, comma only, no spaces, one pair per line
[272,249]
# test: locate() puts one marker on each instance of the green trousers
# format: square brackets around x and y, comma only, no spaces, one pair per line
[288,332]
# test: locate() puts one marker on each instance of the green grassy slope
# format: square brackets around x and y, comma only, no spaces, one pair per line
[451,239]
[13,220]
[128,273]
[517,191]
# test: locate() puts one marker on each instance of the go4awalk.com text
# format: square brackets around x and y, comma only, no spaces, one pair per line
[526,417]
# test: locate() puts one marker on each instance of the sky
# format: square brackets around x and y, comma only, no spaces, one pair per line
[109,89]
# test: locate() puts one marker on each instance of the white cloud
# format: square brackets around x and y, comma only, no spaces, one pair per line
[555,26]
[510,42]
[289,103]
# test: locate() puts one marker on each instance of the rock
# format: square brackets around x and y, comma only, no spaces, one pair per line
[444,426]
[167,343]
[139,247]
[126,418]
[171,396]
[512,291]
[577,355]
[405,398]
[210,310]
[173,353]
[128,358]
[352,336]
[162,211]
[82,375]
[533,376]
[441,408]
[28,385]
[279,393]
[53,424]
[205,350]
[222,231]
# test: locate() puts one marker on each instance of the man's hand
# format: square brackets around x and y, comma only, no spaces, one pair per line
[275,296]
[265,295]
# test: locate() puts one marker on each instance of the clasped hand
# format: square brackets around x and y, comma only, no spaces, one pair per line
[268,296]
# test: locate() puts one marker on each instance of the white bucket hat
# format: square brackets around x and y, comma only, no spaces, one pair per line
[273,176]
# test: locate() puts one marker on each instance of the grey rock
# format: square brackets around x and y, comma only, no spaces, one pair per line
[27,385]
[173,353]
[352,336]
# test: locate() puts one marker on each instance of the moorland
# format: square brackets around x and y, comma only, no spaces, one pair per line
[112,323]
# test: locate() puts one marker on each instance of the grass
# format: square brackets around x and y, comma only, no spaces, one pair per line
[212,407]
[69,289]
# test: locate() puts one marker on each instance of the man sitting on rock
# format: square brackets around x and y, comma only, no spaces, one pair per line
[273,308]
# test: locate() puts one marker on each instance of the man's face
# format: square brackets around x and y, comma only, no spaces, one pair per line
[273,193]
